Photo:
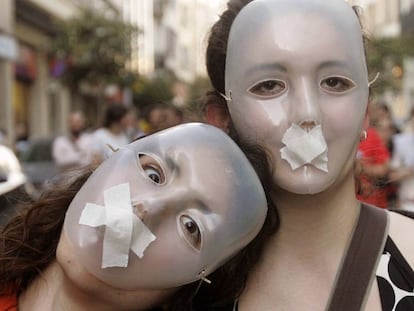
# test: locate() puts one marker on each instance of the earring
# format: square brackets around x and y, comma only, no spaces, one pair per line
[203,278]
[363,136]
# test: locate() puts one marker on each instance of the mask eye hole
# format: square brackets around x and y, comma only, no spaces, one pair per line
[191,231]
[151,168]
[337,84]
[268,88]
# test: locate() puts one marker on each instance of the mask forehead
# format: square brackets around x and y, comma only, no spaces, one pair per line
[294,28]
[207,178]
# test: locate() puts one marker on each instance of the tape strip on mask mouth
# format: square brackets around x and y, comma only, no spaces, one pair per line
[124,231]
[305,147]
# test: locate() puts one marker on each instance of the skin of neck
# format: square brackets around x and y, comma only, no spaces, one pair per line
[307,249]
[66,285]
[54,291]
[319,221]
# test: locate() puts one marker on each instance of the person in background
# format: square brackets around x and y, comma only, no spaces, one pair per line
[157,117]
[372,164]
[112,134]
[372,169]
[133,130]
[161,116]
[383,121]
[408,125]
[174,115]
[74,149]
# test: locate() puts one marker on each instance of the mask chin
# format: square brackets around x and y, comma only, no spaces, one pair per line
[308,181]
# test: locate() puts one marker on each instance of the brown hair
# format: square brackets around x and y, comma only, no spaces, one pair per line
[217,43]
[28,242]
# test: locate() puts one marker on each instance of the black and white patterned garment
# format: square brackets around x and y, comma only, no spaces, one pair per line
[395,280]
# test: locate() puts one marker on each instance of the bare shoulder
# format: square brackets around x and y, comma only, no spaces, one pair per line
[401,230]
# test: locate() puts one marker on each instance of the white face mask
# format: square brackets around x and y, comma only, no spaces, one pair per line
[177,203]
[297,79]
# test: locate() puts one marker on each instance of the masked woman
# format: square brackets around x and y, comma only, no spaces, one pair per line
[294,77]
[145,228]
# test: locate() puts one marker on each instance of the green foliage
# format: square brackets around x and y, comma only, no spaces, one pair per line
[147,91]
[386,55]
[196,91]
[94,48]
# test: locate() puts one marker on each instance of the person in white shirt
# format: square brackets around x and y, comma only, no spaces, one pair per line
[73,150]
[112,135]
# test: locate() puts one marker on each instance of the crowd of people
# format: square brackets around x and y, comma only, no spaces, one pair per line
[120,126]
[282,202]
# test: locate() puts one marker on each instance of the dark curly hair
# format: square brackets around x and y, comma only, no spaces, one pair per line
[29,240]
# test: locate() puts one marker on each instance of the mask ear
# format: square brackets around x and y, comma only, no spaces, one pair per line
[218,116]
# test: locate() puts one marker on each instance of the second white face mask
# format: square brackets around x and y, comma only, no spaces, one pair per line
[166,209]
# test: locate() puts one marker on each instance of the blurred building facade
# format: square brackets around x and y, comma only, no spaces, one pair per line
[26,87]
[172,37]
[180,35]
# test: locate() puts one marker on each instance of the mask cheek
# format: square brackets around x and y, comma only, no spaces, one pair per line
[258,119]
[344,124]
[169,263]
[348,110]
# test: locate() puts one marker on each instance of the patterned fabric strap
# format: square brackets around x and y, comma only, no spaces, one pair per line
[359,265]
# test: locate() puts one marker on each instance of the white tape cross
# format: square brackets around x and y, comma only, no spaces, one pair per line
[305,147]
[123,229]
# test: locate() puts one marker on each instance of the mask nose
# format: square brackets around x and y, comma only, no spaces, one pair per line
[160,203]
[305,110]
[308,125]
